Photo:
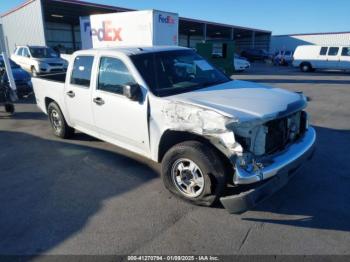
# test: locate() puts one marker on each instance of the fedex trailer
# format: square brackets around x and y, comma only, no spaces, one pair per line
[135,28]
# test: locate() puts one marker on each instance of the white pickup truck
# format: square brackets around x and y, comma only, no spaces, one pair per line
[210,133]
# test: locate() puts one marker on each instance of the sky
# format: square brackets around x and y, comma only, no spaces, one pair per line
[278,16]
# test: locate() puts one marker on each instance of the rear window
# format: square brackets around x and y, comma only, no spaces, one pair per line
[323,50]
[333,51]
[81,74]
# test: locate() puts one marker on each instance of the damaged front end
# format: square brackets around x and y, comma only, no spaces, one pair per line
[258,150]
[208,123]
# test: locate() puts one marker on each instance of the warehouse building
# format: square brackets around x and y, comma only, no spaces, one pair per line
[2,39]
[56,23]
[290,42]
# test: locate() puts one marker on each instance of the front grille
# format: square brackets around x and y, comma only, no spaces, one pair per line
[277,135]
[283,131]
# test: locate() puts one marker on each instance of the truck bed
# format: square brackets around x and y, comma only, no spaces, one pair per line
[58,77]
[49,88]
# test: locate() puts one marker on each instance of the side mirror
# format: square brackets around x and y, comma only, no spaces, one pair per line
[132,91]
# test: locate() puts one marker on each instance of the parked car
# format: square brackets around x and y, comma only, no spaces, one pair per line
[240,63]
[283,57]
[39,59]
[21,77]
[311,57]
[206,130]
[255,55]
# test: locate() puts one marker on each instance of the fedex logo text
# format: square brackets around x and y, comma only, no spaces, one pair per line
[166,19]
[107,32]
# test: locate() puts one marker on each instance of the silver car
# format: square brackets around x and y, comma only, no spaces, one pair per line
[39,60]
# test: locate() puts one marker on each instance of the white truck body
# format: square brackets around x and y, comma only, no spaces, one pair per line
[322,57]
[135,28]
[219,114]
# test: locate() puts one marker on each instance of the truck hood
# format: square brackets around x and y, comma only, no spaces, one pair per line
[245,101]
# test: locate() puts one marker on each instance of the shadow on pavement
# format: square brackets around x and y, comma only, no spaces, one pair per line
[318,196]
[49,190]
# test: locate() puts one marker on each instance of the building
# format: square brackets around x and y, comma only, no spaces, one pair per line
[2,40]
[56,23]
[290,42]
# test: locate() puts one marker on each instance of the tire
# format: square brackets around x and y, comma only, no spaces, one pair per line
[211,173]
[306,67]
[34,72]
[58,122]
[10,108]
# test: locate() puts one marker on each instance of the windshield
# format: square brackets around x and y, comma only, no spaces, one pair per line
[180,71]
[13,64]
[43,52]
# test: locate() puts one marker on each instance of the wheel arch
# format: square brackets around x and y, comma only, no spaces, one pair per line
[305,62]
[49,100]
[172,137]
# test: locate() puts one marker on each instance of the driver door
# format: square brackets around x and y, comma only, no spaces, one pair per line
[118,119]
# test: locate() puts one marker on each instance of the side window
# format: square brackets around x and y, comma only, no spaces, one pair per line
[81,73]
[113,74]
[333,51]
[19,51]
[345,51]
[25,52]
[323,50]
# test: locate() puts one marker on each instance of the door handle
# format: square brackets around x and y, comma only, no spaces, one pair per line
[98,101]
[71,94]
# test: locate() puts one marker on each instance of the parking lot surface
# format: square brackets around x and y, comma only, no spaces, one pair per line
[84,196]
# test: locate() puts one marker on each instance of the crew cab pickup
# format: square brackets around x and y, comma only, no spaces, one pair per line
[210,133]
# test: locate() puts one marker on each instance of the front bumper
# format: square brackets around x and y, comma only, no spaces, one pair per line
[242,67]
[278,172]
[279,161]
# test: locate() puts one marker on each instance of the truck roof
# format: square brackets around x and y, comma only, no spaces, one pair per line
[133,50]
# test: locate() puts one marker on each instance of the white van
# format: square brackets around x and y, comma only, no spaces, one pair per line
[311,57]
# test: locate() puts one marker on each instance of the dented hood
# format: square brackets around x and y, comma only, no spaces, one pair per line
[245,100]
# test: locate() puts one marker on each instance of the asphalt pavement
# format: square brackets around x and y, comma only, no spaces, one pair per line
[84,196]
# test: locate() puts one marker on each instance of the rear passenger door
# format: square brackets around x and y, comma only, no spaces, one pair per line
[77,94]
[345,58]
[118,119]
[333,58]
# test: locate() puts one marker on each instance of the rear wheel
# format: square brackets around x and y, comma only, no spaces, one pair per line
[194,172]
[10,108]
[306,67]
[58,123]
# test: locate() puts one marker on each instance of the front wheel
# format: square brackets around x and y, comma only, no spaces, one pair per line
[194,172]
[58,123]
